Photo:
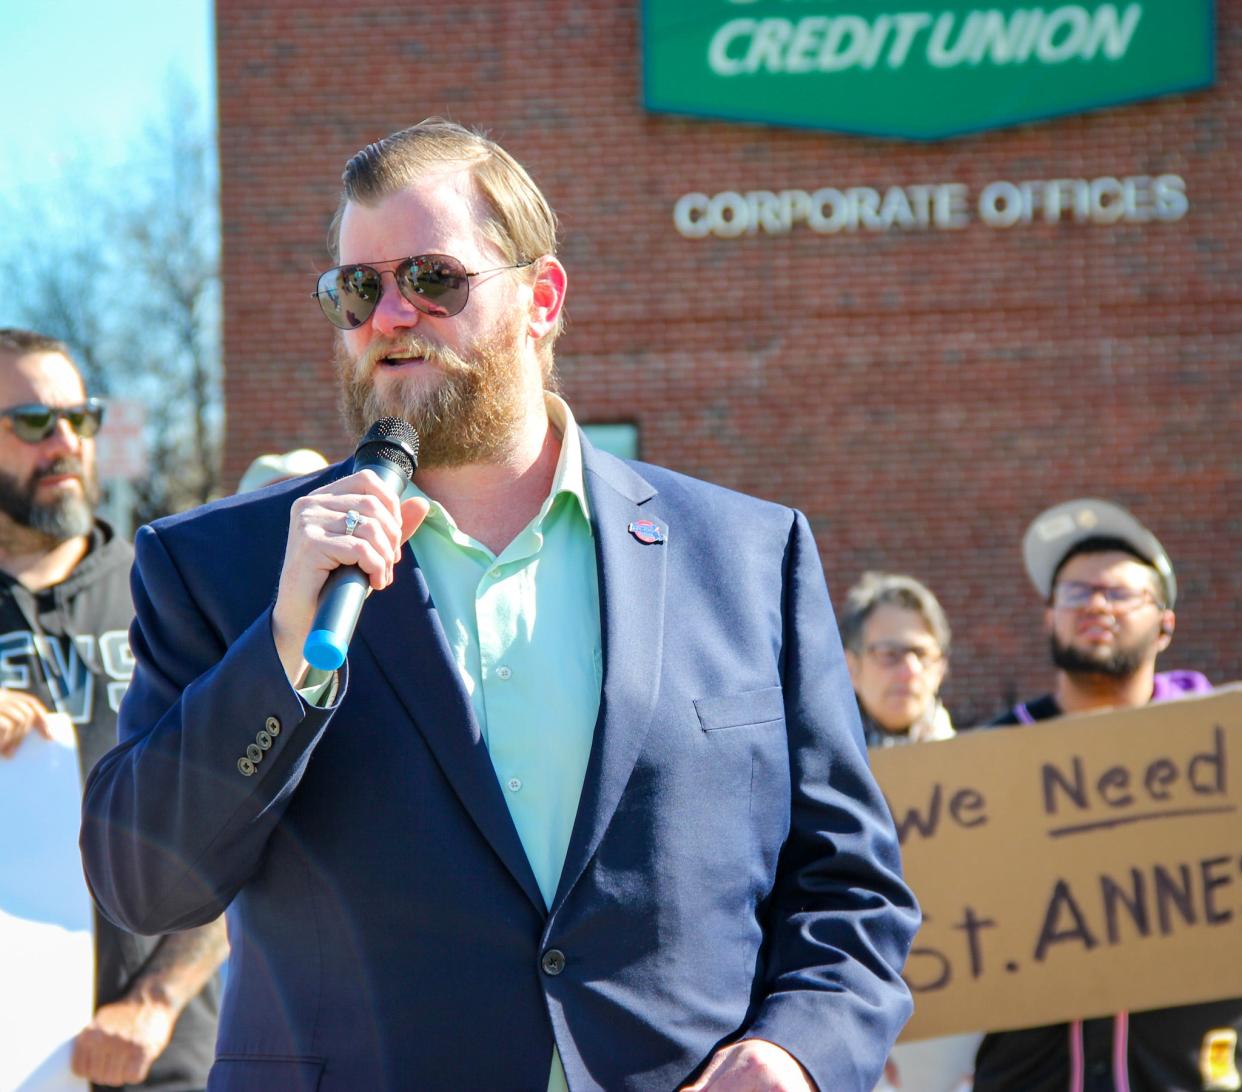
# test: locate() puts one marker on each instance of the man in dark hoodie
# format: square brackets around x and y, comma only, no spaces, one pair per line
[1110,591]
[65,610]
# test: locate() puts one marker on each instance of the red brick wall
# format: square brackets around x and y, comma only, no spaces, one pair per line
[919,395]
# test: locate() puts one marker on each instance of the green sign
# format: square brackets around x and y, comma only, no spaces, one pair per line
[919,70]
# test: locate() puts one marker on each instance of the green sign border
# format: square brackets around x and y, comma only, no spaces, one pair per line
[652,105]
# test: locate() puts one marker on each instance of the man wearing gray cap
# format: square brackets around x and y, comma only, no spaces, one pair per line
[1110,590]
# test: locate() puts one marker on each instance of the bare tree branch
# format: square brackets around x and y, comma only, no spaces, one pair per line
[123,265]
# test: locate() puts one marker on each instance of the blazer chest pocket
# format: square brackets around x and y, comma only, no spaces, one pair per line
[751,709]
[256,1073]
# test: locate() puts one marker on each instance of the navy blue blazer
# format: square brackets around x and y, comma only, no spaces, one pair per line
[733,868]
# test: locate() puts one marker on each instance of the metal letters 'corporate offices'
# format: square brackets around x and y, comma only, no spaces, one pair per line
[919,269]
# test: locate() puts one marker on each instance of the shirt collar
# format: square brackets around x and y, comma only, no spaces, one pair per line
[569,476]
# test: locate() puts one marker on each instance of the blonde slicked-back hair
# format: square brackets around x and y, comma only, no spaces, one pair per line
[519,222]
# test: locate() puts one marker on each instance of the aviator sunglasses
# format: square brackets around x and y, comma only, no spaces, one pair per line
[436,284]
[34,422]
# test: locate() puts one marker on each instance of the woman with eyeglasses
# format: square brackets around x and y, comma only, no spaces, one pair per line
[896,641]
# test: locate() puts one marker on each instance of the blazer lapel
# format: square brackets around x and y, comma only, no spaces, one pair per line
[631,605]
[401,629]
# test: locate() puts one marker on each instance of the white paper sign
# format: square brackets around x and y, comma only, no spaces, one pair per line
[47,945]
[933,1065]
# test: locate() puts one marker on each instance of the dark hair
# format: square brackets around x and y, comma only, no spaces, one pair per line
[880,589]
[1101,544]
[19,342]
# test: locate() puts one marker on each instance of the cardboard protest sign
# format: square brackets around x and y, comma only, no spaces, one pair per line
[1073,868]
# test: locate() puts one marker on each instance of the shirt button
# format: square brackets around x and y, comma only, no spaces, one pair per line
[553,961]
[504,672]
[514,783]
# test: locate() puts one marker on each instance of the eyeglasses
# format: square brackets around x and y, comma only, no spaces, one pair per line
[434,283]
[891,654]
[1075,594]
[35,422]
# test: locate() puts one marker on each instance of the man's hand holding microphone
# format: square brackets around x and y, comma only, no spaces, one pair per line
[345,540]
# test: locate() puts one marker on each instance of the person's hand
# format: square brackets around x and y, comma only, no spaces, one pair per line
[318,543]
[20,713]
[119,1046]
[752,1065]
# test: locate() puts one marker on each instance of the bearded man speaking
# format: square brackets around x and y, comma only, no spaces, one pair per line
[588,803]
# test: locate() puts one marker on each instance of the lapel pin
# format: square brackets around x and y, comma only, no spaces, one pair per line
[647,531]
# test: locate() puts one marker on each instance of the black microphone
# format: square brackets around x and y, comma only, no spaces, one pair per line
[390,449]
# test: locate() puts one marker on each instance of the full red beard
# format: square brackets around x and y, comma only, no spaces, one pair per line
[465,411]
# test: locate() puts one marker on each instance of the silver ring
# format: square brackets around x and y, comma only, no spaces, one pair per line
[352,519]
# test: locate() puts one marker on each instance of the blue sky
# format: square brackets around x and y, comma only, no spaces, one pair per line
[80,77]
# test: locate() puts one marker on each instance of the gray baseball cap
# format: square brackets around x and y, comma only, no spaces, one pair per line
[1053,533]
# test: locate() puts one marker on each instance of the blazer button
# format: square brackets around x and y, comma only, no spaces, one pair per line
[273,726]
[553,961]
[264,739]
[254,752]
[246,767]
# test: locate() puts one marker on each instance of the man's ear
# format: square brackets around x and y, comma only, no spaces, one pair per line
[1168,623]
[1049,615]
[547,296]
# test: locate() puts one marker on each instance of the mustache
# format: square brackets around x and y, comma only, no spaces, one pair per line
[64,464]
[382,347]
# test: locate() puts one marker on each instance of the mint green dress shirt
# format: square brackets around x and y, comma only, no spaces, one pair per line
[523,628]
